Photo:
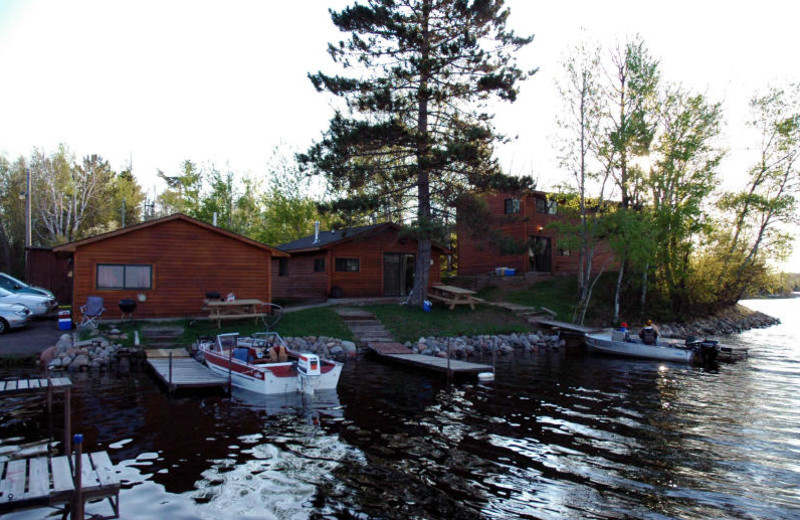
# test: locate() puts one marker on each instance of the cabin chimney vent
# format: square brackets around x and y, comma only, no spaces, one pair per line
[214,221]
[316,231]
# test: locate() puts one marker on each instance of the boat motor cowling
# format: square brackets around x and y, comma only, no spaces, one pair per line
[308,364]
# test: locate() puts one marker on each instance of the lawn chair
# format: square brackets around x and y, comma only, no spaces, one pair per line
[92,311]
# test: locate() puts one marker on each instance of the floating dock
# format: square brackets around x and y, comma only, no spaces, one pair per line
[177,370]
[403,355]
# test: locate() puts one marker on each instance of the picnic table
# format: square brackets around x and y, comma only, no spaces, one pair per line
[235,309]
[452,296]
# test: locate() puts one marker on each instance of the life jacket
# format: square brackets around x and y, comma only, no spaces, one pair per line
[648,336]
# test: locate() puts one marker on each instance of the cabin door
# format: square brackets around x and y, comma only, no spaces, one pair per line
[398,274]
[540,254]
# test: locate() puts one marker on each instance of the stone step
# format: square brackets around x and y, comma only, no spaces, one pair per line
[357,330]
[354,314]
[378,339]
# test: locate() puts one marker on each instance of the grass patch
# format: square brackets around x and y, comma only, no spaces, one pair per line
[320,321]
[409,323]
[557,294]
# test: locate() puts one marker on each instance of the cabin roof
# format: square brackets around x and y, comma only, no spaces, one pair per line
[70,247]
[327,239]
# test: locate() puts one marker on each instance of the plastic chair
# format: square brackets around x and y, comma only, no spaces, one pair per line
[92,311]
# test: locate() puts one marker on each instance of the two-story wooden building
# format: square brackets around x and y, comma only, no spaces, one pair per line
[365,261]
[523,219]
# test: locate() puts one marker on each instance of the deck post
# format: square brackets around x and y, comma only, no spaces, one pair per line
[67,421]
[77,499]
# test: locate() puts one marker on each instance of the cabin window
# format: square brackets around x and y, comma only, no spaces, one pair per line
[562,252]
[512,206]
[283,266]
[319,265]
[546,206]
[124,276]
[348,265]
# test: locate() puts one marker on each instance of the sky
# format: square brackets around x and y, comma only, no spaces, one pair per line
[225,82]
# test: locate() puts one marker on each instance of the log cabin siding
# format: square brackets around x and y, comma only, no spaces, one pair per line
[476,255]
[187,261]
[302,283]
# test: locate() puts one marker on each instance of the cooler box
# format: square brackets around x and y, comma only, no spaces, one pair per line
[65,319]
[510,272]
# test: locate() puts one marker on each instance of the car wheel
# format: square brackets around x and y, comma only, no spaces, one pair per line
[3,325]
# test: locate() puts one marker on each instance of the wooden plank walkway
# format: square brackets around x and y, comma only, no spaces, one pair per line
[402,354]
[185,372]
[48,387]
[566,326]
[48,481]
[34,386]
[43,482]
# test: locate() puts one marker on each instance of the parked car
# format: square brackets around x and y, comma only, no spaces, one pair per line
[13,316]
[37,303]
[12,284]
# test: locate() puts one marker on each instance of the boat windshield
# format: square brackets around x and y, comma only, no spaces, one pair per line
[227,341]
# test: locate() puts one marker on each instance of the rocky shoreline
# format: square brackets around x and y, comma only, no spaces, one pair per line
[101,353]
[731,320]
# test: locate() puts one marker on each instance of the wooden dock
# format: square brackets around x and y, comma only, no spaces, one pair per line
[43,482]
[177,370]
[47,387]
[563,325]
[52,481]
[403,355]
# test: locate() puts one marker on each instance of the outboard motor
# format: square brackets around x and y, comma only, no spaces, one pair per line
[707,348]
[308,370]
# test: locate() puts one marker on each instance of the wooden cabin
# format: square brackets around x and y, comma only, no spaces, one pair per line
[367,261]
[522,219]
[167,265]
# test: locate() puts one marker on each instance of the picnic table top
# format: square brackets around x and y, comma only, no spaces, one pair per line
[233,303]
[452,289]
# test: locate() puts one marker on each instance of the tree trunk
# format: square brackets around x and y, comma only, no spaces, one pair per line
[618,289]
[423,261]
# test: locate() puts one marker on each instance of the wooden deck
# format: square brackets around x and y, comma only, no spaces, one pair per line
[49,481]
[47,387]
[179,371]
[35,386]
[43,482]
[403,355]
[567,326]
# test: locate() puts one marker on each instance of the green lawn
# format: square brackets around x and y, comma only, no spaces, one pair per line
[409,323]
[322,321]
[557,294]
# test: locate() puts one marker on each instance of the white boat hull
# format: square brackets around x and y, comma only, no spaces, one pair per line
[266,378]
[666,350]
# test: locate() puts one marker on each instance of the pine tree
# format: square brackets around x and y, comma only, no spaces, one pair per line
[416,122]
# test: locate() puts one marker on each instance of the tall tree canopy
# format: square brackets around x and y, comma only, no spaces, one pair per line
[416,128]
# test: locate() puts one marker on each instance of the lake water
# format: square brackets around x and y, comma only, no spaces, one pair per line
[556,436]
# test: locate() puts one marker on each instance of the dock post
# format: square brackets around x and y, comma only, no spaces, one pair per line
[449,370]
[77,498]
[67,421]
